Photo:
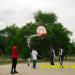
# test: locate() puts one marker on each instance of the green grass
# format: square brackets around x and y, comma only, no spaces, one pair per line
[5,60]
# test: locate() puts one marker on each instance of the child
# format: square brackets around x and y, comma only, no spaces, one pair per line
[14,56]
[34,54]
[61,56]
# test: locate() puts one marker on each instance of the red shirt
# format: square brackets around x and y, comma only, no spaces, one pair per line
[14,53]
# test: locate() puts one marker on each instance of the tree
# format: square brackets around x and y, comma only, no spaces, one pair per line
[57,36]
[45,18]
[11,32]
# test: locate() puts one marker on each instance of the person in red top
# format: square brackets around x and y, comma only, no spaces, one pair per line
[14,56]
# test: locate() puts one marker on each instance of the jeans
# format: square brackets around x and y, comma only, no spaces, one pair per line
[14,63]
[34,63]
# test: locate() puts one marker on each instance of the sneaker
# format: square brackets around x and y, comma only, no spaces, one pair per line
[11,72]
[15,72]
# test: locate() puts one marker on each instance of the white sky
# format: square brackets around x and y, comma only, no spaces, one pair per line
[22,11]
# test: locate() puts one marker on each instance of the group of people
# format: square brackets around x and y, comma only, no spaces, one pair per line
[34,53]
[15,55]
[52,56]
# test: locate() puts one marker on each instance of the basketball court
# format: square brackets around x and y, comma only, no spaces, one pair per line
[23,69]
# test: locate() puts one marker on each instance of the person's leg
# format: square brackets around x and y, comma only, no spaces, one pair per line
[28,63]
[34,63]
[51,60]
[12,68]
[60,59]
[15,63]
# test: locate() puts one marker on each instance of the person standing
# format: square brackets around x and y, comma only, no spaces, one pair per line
[14,56]
[34,54]
[52,55]
[61,56]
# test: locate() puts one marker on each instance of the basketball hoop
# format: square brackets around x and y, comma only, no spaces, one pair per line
[41,31]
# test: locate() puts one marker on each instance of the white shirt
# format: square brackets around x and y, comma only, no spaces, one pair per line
[61,52]
[34,55]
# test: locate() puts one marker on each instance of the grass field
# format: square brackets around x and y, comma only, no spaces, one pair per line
[5,60]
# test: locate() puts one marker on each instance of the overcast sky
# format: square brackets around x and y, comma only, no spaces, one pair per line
[22,11]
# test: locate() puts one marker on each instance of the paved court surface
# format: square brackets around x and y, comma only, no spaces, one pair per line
[23,69]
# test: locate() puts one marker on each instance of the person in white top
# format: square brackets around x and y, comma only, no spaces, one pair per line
[34,54]
[61,56]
